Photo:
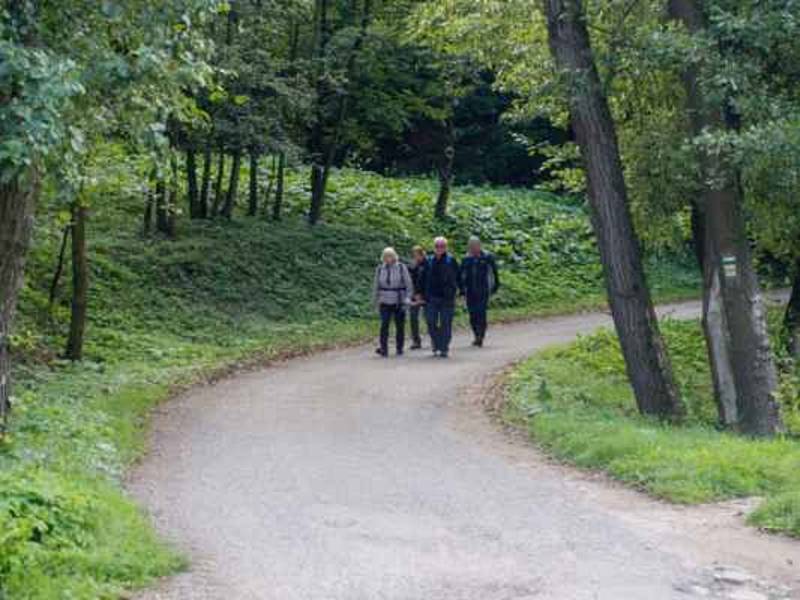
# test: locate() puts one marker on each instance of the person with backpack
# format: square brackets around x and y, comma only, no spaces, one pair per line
[416,269]
[391,294]
[441,289]
[479,282]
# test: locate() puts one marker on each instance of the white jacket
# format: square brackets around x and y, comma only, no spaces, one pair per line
[392,285]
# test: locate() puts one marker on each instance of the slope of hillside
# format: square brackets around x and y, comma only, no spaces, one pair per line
[169,313]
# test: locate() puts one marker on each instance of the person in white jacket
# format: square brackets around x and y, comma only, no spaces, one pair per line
[392,290]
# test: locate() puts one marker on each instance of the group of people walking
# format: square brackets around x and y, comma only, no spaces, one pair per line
[431,284]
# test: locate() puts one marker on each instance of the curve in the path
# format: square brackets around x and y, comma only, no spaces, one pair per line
[344,476]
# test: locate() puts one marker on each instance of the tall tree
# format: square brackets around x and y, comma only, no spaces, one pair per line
[745,376]
[331,104]
[205,184]
[192,191]
[792,318]
[252,201]
[17,203]
[80,281]
[646,359]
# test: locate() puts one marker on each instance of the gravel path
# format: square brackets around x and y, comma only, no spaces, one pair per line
[344,476]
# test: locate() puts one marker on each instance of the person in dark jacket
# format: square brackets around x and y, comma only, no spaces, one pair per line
[441,289]
[479,281]
[416,269]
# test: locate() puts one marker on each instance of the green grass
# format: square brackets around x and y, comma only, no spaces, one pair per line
[576,403]
[166,314]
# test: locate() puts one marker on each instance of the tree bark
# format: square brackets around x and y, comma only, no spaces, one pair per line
[252,205]
[17,204]
[218,190]
[162,206]
[193,194]
[445,170]
[206,183]
[149,208]
[80,283]
[277,206]
[791,319]
[233,185]
[62,252]
[646,359]
[738,344]
[172,201]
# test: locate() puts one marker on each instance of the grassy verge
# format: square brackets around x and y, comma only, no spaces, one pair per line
[168,314]
[577,405]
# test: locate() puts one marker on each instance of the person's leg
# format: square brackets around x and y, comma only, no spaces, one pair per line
[386,315]
[483,324]
[416,339]
[400,328]
[447,314]
[475,324]
[431,311]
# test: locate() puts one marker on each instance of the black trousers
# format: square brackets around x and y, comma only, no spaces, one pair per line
[398,313]
[478,320]
[414,314]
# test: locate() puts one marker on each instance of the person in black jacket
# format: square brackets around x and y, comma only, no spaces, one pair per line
[441,289]
[416,269]
[479,281]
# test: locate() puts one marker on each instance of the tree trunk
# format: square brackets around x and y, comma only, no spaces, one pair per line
[193,195]
[233,185]
[791,319]
[218,191]
[277,207]
[149,208]
[62,252]
[739,345]
[202,201]
[713,321]
[172,202]
[445,170]
[17,203]
[317,193]
[162,206]
[252,205]
[80,283]
[646,359]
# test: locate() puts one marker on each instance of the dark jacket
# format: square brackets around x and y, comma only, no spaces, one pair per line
[417,272]
[479,279]
[442,279]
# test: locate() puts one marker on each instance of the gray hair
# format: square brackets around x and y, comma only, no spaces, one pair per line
[474,239]
[389,252]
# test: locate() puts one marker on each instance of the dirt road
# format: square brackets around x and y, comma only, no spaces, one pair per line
[344,476]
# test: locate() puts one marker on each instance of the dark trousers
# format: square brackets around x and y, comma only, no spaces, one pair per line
[414,311]
[398,313]
[478,321]
[440,323]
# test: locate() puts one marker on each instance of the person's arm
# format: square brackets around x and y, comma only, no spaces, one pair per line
[376,284]
[495,273]
[409,284]
[458,271]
